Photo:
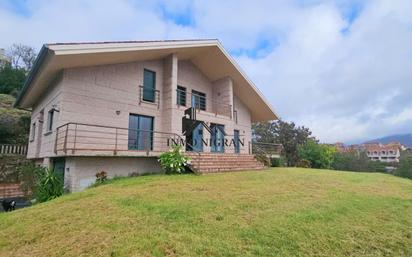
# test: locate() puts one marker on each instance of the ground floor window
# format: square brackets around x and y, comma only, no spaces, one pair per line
[140,132]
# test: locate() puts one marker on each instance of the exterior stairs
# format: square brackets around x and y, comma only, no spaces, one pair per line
[223,162]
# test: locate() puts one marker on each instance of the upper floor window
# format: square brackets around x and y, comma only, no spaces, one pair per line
[181,96]
[50,118]
[33,131]
[199,100]
[149,86]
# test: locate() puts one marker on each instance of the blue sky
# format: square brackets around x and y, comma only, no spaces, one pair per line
[340,67]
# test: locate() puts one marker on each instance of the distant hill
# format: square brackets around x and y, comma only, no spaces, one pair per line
[404,139]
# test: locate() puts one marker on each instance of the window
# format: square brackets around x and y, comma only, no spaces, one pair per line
[181,96]
[149,86]
[140,132]
[199,100]
[50,117]
[33,131]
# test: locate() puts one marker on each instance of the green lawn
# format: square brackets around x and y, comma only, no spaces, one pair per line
[278,212]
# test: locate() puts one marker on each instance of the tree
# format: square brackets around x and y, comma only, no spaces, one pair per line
[22,56]
[14,123]
[285,133]
[405,165]
[320,156]
[11,79]
[356,161]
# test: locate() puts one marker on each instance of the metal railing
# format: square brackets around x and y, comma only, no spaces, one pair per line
[94,140]
[203,103]
[153,93]
[264,152]
[9,149]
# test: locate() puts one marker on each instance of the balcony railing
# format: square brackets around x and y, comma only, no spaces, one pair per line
[149,95]
[202,103]
[85,139]
[265,151]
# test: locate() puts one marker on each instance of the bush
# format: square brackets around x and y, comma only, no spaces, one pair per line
[278,162]
[405,166]
[173,161]
[304,163]
[320,156]
[101,177]
[28,174]
[356,161]
[48,185]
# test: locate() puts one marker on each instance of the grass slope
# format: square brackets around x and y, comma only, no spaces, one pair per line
[278,212]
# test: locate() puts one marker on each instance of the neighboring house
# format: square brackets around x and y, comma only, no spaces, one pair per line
[375,151]
[383,152]
[116,106]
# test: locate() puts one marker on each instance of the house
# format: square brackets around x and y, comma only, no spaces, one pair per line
[383,152]
[116,106]
[389,153]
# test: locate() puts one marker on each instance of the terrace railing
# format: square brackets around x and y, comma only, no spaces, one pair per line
[8,149]
[94,140]
[149,95]
[265,151]
[202,103]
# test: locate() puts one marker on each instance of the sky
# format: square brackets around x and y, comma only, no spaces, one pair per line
[341,68]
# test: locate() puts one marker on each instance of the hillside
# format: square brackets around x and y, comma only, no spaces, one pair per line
[14,123]
[278,212]
[404,139]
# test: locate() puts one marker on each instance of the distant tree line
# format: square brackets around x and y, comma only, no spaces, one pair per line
[301,149]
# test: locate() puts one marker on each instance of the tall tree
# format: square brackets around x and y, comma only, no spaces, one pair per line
[285,133]
[11,79]
[22,56]
[14,71]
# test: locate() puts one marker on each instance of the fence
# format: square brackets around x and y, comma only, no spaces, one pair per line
[7,149]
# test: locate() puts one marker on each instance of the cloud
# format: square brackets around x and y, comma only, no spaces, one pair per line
[340,67]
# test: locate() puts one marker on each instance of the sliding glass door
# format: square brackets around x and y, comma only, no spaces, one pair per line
[140,132]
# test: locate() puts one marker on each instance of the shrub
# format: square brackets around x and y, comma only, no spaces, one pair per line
[304,163]
[405,166]
[278,162]
[48,185]
[320,156]
[101,177]
[28,173]
[173,161]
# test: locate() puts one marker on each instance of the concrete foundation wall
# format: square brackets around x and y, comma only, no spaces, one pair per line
[80,172]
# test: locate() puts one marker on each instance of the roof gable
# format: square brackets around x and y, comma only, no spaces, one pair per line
[208,55]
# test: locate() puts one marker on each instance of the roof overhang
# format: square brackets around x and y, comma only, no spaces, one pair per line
[208,55]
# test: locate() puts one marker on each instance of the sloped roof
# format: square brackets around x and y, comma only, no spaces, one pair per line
[208,55]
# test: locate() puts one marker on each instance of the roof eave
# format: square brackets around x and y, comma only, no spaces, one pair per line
[31,76]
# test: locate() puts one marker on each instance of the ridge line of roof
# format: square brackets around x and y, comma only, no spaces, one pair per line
[129,41]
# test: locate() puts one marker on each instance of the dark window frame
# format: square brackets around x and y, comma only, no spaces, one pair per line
[181,95]
[202,100]
[50,120]
[136,146]
[33,132]
[145,89]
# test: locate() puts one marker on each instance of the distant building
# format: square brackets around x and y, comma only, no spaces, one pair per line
[383,152]
[375,151]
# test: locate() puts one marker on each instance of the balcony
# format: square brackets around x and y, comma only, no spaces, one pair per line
[203,103]
[149,95]
[77,139]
